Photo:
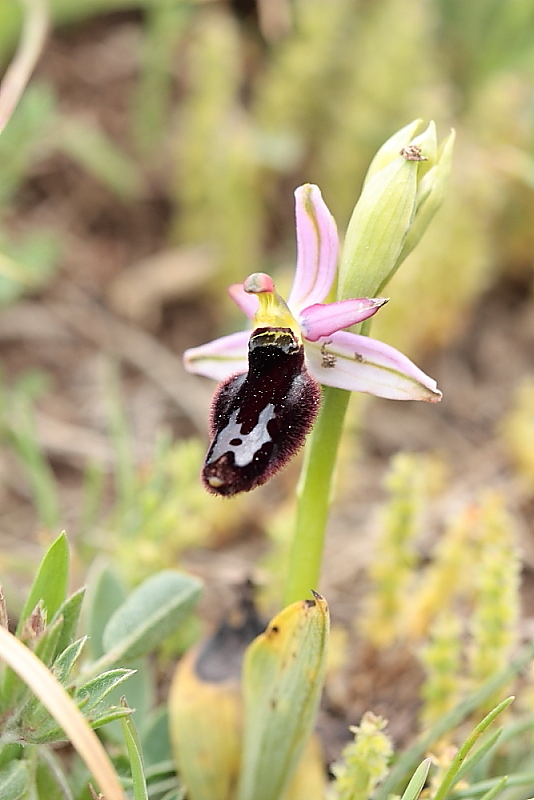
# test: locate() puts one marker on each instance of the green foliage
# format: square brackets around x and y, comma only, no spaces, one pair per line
[365,760]
[150,613]
[130,627]
[283,674]
[408,483]
[14,780]
[494,622]
[441,655]
[50,585]
[136,761]
[466,623]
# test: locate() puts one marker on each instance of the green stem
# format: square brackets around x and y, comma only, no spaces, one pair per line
[315,490]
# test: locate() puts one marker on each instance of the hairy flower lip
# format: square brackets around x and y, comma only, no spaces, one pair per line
[334,356]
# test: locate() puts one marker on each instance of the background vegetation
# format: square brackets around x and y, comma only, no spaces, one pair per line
[150,163]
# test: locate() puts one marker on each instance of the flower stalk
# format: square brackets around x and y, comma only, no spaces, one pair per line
[314,493]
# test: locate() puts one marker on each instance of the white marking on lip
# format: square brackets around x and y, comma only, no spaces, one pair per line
[250,442]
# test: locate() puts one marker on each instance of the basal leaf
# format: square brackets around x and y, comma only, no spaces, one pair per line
[149,615]
[105,593]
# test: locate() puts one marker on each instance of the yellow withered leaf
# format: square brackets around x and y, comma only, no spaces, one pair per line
[283,675]
[205,727]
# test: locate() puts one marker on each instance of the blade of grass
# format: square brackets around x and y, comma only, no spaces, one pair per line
[31,43]
[134,754]
[447,722]
[482,751]
[24,434]
[451,776]
[417,781]
[491,793]
[483,788]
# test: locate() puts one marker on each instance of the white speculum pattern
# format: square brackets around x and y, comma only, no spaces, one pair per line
[243,446]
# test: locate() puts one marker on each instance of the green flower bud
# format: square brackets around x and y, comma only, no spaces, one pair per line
[402,191]
[431,192]
[391,148]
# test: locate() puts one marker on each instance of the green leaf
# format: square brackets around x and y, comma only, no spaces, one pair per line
[105,593]
[283,674]
[14,780]
[66,660]
[10,752]
[140,694]
[14,687]
[499,786]
[50,782]
[70,612]
[155,739]
[47,645]
[95,151]
[50,584]
[149,615]
[111,715]
[94,691]
[25,439]
[136,761]
[417,781]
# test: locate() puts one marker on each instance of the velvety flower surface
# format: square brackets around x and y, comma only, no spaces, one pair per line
[333,356]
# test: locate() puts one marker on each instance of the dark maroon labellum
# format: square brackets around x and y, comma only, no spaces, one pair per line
[260,419]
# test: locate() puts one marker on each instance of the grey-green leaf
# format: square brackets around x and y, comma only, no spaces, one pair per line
[105,593]
[50,781]
[155,737]
[149,615]
[14,780]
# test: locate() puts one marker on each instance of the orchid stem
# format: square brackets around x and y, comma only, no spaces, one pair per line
[314,496]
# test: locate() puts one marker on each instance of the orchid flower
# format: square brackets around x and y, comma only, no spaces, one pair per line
[331,355]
